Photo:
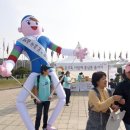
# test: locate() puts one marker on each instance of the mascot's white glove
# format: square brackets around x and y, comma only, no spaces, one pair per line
[80,53]
[4,72]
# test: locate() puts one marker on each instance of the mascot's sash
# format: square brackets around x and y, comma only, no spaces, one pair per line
[34,46]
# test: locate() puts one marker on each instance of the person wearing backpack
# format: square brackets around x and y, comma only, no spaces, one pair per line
[100,100]
[42,91]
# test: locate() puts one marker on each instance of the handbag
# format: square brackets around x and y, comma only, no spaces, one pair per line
[115,120]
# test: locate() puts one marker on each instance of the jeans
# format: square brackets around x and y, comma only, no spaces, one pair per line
[127,126]
[40,106]
[68,93]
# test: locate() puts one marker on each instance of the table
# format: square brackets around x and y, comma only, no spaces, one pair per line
[81,86]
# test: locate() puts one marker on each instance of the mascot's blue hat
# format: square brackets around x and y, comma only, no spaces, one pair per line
[26,17]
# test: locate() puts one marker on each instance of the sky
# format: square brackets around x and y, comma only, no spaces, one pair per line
[99,25]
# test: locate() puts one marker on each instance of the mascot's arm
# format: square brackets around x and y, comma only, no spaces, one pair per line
[60,50]
[8,65]
[49,44]
[79,53]
[13,57]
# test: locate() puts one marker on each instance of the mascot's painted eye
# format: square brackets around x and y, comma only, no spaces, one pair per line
[36,23]
[28,23]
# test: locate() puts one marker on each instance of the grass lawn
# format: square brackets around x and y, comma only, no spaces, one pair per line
[10,83]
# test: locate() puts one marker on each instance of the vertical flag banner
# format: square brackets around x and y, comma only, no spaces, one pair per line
[109,56]
[120,55]
[52,53]
[98,55]
[78,45]
[104,55]
[3,45]
[126,56]
[3,48]
[93,54]
[115,56]
[7,50]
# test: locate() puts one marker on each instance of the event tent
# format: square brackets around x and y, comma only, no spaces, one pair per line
[89,64]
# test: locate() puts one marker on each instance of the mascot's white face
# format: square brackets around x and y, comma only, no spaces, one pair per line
[30,26]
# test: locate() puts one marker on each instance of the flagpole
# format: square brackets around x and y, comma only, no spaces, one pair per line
[3,48]
[7,49]
[104,55]
[52,53]
[108,73]
[16,65]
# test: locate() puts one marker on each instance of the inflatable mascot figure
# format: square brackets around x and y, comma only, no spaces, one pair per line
[35,45]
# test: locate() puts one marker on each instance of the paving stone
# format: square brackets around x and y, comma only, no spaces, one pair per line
[72,117]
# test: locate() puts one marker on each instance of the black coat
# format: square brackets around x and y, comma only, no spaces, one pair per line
[123,89]
[62,79]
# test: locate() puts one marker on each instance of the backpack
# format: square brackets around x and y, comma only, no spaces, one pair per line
[38,79]
[62,81]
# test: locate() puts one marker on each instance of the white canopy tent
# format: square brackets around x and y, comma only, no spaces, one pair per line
[88,66]
[121,62]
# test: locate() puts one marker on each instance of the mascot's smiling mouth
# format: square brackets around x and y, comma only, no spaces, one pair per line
[34,27]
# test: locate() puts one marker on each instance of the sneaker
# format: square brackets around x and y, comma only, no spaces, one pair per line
[50,128]
[67,104]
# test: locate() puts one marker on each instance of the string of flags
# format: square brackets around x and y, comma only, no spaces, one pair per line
[104,55]
[110,55]
[57,54]
[5,48]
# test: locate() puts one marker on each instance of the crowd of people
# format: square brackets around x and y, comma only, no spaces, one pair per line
[102,99]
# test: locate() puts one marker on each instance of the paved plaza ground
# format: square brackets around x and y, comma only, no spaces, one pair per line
[73,117]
